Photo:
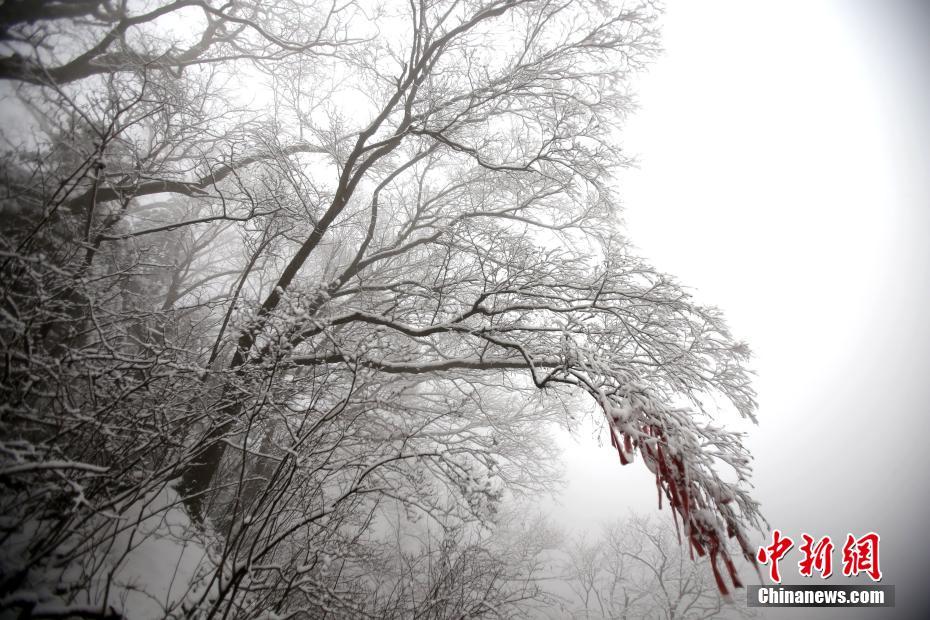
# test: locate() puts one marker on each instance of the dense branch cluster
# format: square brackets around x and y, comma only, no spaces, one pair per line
[274,273]
[636,568]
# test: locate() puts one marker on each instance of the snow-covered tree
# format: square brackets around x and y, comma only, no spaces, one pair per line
[637,568]
[275,268]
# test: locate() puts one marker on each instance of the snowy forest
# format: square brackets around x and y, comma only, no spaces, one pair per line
[293,294]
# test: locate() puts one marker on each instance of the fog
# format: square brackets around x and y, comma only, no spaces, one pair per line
[783,158]
[293,292]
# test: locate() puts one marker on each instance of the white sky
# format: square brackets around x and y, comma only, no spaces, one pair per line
[784,163]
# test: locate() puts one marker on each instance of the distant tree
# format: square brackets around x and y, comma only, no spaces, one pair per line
[466,573]
[290,265]
[637,568]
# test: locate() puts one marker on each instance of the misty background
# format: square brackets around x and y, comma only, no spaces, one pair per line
[784,175]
